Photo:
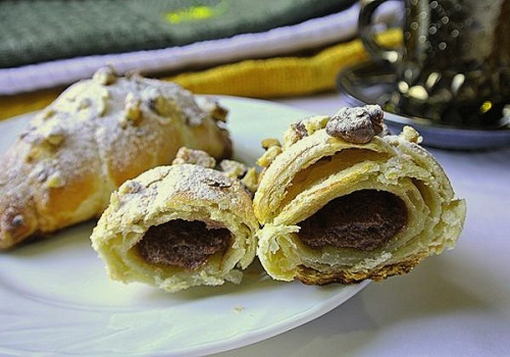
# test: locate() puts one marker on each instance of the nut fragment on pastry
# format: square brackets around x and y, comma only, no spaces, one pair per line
[96,135]
[269,142]
[196,157]
[212,106]
[232,168]
[356,125]
[251,180]
[176,227]
[249,177]
[343,202]
[267,158]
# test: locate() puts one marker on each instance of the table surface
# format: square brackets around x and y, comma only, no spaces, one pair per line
[454,304]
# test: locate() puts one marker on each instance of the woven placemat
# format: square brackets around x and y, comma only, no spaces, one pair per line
[33,31]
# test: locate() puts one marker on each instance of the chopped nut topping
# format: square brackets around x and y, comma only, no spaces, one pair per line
[315,123]
[55,181]
[41,175]
[130,187]
[356,125]
[103,102]
[237,170]
[232,169]
[300,129]
[105,75]
[34,153]
[303,128]
[158,103]
[212,106]
[268,157]
[197,157]
[48,113]
[212,182]
[309,126]
[410,134]
[49,136]
[11,219]
[17,221]
[132,110]
[84,104]
[251,180]
[290,136]
[114,200]
[55,139]
[267,143]
[219,113]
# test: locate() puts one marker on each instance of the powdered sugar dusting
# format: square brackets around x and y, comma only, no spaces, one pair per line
[177,186]
[203,183]
[80,137]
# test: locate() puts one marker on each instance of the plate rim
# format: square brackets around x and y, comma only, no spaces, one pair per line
[265,333]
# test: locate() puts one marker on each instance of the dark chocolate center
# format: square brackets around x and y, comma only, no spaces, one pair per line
[363,220]
[185,244]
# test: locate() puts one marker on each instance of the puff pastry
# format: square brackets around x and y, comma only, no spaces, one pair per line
[343,202]
[95,136]
[179,226]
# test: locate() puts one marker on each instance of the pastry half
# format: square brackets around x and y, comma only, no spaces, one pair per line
[96,135]
[178,226]
[343,202]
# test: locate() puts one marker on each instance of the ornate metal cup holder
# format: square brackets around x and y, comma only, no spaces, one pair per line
[373,83]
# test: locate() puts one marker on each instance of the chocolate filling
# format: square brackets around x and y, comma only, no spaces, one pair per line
[185,244]
[363,220]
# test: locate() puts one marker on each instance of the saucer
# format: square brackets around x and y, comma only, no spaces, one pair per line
[373,83]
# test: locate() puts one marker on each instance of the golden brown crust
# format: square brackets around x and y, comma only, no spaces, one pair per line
[96,135]
[311,276]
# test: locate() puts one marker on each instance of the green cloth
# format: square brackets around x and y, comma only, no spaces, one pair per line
[34,31]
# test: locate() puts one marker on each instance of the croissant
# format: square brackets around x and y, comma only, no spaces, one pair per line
[342,201]
[179,226]
[95,136]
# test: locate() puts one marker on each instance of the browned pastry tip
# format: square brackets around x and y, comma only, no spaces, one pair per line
[356,125]
[311,276]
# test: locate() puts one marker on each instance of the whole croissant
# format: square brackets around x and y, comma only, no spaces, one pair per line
[96,135]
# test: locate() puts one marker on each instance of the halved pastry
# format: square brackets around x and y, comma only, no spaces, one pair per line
[96,135]
[342,202]
[178,226]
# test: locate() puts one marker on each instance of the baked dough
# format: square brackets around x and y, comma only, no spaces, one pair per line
[343,202]
[178,226]
[95,136]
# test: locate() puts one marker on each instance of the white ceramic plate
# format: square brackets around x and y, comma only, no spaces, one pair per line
[55,296]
